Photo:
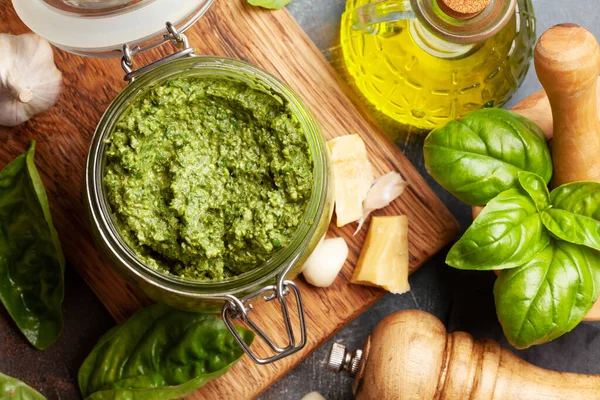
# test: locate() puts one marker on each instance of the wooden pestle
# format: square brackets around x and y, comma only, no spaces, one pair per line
[411,356]
[567,62]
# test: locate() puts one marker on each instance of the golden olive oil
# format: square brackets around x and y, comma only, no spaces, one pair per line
[418,79]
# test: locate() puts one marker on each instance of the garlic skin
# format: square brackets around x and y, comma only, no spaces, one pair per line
[29,81]
[385,190]
[326,262]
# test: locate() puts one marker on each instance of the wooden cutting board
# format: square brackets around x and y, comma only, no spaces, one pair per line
[537,108]
[274,41]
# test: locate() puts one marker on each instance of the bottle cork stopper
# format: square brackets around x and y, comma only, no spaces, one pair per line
[463,9]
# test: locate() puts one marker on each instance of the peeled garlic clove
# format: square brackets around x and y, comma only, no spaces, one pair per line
[29,81]
[385,190]
[326,262]
[313,396]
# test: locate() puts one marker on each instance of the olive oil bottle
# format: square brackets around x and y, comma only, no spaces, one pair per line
[422,63]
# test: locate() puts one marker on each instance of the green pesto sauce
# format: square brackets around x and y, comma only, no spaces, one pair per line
[207,177]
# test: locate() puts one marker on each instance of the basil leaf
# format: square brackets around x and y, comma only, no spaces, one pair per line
[31,260]
[271,4]
[478,157]
[11,388]
[548,296]
[575,213]
[159,353]
[508,233]
[536,188]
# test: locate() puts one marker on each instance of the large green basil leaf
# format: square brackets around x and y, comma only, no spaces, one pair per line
[160,353]
[507,234]
[548,296]
[536,188]
[14,389]
[575,213]
[478,157]
[271,4]
[31,260]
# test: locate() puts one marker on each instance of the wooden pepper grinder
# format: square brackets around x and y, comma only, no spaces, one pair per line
[567,62]
[410,355]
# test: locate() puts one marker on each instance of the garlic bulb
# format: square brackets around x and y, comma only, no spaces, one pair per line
[385,190]
[29,81]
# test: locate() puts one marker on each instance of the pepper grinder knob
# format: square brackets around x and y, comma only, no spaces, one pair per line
[341,360]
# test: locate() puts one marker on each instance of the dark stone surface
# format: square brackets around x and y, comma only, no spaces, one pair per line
[462,299]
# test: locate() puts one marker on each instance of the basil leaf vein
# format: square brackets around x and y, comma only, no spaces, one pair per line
[508,233]
[31,260]
[536,188]
[549,295]
[12,388]
[160,353]
[478,157]
[575,213]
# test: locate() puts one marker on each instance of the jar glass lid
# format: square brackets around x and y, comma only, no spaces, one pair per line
[99,28]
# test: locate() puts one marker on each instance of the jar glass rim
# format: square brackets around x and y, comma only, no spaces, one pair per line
[216,67]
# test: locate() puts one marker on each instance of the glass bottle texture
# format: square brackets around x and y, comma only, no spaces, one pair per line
[421,67]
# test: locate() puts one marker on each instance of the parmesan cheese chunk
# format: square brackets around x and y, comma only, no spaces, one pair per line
[353,177]
[383,259]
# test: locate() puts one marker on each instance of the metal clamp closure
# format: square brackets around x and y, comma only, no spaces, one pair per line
[240,309]
[172,36]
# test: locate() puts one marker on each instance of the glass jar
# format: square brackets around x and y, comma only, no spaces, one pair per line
[186,294]
[423,66]
[270,278]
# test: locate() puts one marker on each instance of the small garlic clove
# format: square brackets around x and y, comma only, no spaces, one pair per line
[313,396]
[385,190]
[29,81]
[326,262]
